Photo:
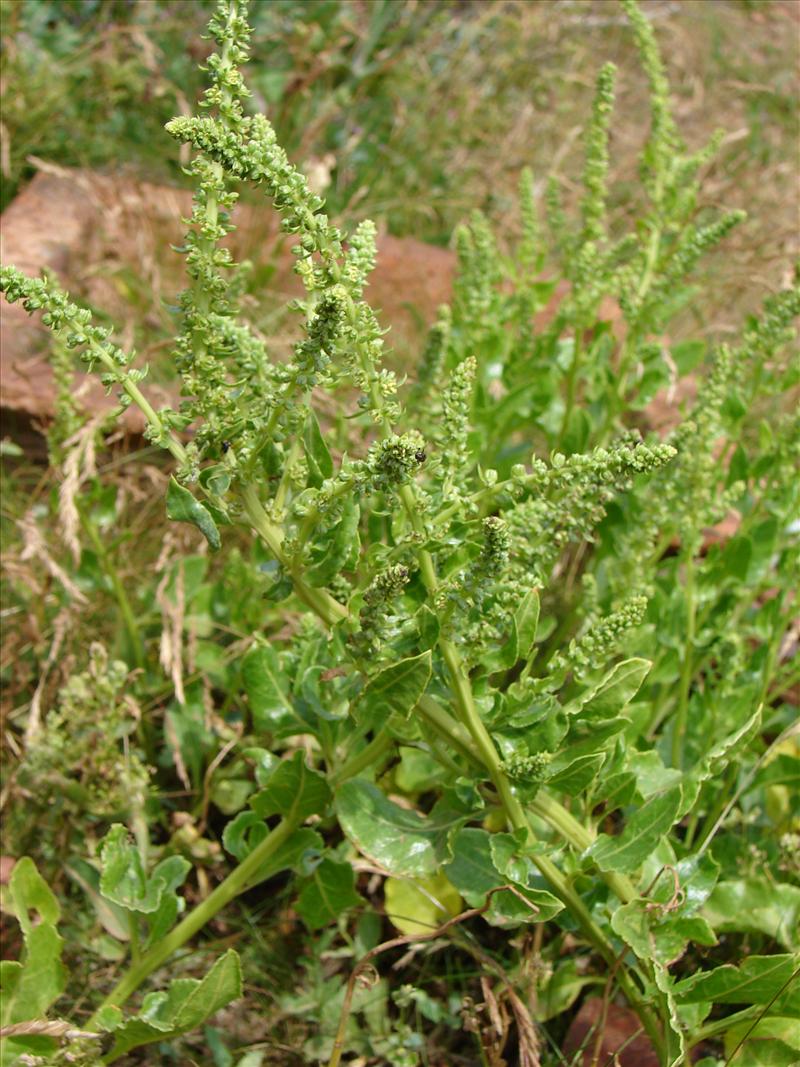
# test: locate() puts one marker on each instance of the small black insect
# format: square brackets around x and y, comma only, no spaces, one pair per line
[225,446]
[420,456]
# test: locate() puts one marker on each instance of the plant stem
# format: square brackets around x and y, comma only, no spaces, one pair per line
[719,1026]
[549,809]
[369,756]
[319,600]
[237,881]
[165,437]
[448,729]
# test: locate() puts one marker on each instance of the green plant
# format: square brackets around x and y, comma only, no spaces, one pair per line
[490,592]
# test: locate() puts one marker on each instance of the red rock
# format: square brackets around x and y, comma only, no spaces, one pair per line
[609,1036]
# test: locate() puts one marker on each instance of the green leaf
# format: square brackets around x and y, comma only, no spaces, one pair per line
[41,980]
[417,771]
[573,778]
[183,507]
[123,880]
[759,906]
[772,1041]
[782,770]
[185,1005]
[419,906]
[247,830]
[320,463]
[32,985]
[697,877]
[337,547]
[658,935]
[395,690]
[629,849]
[428,626]
[735,558]
[561,991]
[770,980]
[398,839]
[329,894]
[293,790]
[267,689]
[720,755]
[112,917]
[10,977]
[474,872]
[527,619]
[651,775]
[615,691]
[504,657]
[30,892]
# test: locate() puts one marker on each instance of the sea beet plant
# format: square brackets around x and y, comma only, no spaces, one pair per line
[500,656]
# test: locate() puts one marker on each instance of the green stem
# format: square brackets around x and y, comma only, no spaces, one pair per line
[371,755]
[295,452]
[720,1026]
[319,600]
[448,729]
[565,824]
[237,881]
[133,928]
[164,436]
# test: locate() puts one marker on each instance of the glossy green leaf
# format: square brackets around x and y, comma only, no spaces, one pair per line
[697,876]
[720,755]
[629,849]
[527,619]
[123,880]
[267,689]
[185,1005]
[474,872]
[651,775]
[182,506]
[420,905]
[615,691]
[30,986]
[395,690]
[759,906]
[293,790]
[770,980]
[655,934]
[320,463]
[417,771]
[329,893]
[771,1041]
[398,839]
[112,917]
[30,892]
[247,830]
[337,547]
[573,778]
